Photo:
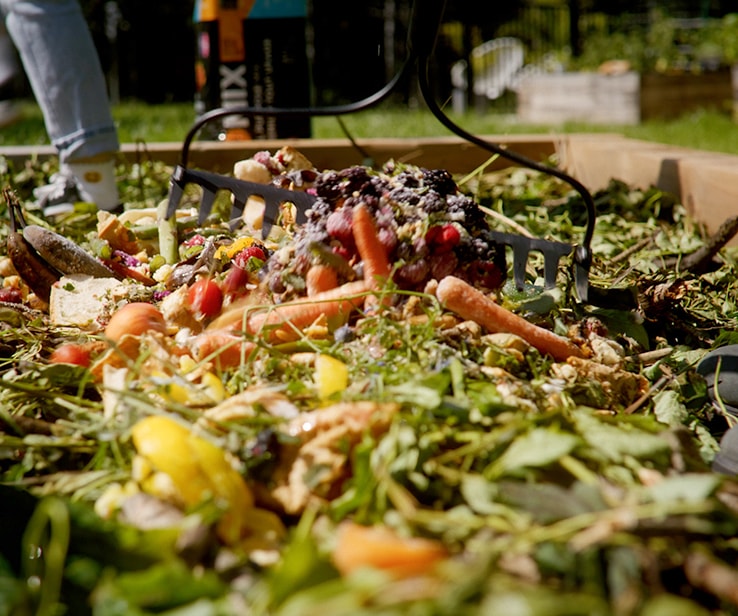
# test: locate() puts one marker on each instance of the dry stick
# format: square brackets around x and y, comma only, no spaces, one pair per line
[698,262]
[644,243]
[507,221]
[471,304]
[656,387]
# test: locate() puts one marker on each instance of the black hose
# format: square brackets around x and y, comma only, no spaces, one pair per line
[423,67]
[334,110]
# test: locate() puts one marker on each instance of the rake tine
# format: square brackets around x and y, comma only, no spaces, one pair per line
[237,210]
[520,260]
[206,203]
[176,191]
[550,271]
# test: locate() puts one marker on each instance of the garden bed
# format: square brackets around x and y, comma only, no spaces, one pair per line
[626,98]
[703,180]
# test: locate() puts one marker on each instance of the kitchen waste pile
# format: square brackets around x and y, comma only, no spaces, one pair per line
[362,413]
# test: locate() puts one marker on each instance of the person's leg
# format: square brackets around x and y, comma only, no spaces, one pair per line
[10,74]
[63,68]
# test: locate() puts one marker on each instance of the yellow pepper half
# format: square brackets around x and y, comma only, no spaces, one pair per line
[198,469]
[331,376]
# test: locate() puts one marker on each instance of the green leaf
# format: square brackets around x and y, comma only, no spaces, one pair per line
[669,409]
[618,441]
[540,447]
[165,585]
[669,605]
[546,502]
[691,487]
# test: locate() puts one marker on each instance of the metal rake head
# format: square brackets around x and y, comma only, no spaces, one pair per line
[552,252]
[212,183]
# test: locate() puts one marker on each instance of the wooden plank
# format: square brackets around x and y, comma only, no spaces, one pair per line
[709,189]
[665,96]
[451,153]
[705,182]
[595,162]
[553,98]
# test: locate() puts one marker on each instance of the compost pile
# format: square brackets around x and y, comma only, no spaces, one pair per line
[312,422]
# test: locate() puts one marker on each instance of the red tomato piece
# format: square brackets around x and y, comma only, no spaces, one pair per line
[71,353]
[205,298]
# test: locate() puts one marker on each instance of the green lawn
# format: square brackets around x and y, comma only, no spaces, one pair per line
[705,130]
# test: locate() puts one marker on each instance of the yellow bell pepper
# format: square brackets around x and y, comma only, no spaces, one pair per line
[331,376]
[198,469]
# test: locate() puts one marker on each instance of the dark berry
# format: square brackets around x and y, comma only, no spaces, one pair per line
[339,225]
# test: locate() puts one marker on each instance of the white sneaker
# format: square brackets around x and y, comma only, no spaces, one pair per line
[96,183]
[58,196]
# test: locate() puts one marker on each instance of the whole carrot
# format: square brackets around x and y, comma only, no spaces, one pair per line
[373,255]
[285,321]
[469,303]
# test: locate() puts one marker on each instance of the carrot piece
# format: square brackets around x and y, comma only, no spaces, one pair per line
[382,548]
[226,349]
[284,321]
[320,278]
[470,303]
[376,264]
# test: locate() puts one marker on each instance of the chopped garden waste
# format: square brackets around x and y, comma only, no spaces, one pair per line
[363,414]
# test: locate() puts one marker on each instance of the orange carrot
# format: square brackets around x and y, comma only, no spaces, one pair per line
[320,278]
[224,348]
[469,303]
[284,321]
[372,253]
[382,548]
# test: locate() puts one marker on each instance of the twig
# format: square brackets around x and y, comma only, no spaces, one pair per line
[657,386]
[650,357]
[699,261]
[645,242]
[506,221]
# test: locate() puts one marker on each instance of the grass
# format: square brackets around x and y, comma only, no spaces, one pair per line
[704,130]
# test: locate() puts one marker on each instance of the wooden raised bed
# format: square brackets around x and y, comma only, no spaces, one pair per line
[665,96]
[706,182]
[624,99]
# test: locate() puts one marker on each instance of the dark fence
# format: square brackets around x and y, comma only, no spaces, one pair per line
[148,48]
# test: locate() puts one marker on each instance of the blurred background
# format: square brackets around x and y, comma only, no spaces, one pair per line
[148,49]
[603,64]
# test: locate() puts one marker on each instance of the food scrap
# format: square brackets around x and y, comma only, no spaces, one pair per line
[364,412]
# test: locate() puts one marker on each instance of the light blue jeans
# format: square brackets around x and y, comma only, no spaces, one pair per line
[63,68]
